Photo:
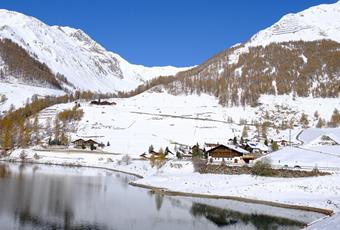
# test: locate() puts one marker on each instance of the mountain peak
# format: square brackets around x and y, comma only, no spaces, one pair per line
[71,52]
[316,23]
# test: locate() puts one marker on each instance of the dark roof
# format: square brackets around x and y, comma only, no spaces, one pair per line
[234,148]
[90,140]
[78,140]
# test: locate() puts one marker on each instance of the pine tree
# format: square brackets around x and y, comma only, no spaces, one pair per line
[275,147]
[151,149]
[235,141]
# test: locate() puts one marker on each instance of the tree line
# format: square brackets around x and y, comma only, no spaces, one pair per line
[20,64]
[297,68]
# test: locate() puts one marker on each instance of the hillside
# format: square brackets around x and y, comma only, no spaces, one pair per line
[69,52]
[162,119]
[293,57]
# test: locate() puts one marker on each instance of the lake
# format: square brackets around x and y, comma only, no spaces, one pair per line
[56,197]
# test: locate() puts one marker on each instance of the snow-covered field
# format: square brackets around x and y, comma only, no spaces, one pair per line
[162,120]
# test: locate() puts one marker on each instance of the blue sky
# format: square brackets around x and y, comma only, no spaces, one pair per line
[163,32]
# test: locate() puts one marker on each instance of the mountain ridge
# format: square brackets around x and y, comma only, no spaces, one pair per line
[71,52]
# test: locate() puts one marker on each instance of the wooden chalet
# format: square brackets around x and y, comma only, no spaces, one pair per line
[228,153]
[80,143]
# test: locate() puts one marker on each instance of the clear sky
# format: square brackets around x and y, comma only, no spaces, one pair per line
[163,32]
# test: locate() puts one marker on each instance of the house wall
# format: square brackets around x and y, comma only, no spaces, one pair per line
[224,153]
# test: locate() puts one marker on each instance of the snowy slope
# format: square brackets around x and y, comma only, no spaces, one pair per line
[17,94]
[71,52]
[309,135]
[162,119]
[316,23]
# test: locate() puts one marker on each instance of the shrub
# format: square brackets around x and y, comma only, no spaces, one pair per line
[36,156]
[275,146]
[198,164]
[262,168]
[23,155]
[126,159]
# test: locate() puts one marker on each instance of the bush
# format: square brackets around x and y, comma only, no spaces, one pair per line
[23,155]
[36,156]
[126,159]
[275,146]
[262,168]
[198,164]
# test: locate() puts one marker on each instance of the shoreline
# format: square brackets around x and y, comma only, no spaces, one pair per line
[162,191]
[73,165]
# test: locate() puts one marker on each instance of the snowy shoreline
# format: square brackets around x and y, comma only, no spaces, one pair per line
[167,192]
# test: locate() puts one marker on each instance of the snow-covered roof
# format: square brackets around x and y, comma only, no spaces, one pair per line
[258,145]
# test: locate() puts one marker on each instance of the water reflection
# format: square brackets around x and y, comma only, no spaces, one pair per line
[4,171]
[50,197]
[222,217]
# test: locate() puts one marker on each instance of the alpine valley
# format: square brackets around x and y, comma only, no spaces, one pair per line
[271,100]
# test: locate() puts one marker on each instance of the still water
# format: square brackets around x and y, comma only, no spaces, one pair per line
[55,197]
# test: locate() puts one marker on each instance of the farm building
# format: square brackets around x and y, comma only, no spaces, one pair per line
[228,154]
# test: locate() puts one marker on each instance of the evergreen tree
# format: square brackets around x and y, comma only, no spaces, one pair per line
[235,140]
[151,149]
[275,146]
[321,123]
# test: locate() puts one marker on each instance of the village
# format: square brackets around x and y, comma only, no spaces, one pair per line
[238,150]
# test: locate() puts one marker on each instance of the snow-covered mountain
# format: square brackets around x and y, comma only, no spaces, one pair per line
[72,53]
[297,56]
[316,23]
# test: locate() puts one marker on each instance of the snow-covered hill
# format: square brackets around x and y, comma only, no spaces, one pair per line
[321,22]
[162,119]
[71,52]
[316,23]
